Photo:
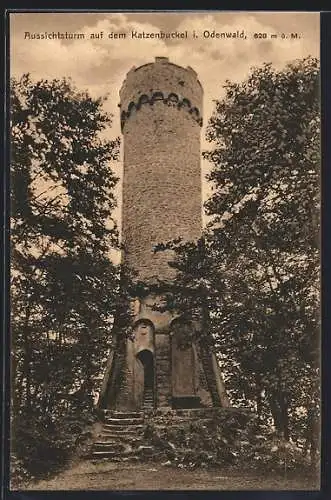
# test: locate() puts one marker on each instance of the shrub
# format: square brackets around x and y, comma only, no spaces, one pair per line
[42,446]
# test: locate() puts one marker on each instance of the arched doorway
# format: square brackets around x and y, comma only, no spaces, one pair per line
[147,360]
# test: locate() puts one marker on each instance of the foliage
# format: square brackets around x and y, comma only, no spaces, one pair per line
[253,276]
[46,445]
[231,442]
[64,287]
[194,444]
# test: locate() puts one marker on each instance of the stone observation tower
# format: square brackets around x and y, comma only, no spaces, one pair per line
[161,119]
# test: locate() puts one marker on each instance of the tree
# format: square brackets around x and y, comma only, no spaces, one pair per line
[256,270]
[64,287]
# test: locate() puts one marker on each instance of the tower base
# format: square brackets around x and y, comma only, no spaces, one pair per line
[161,363]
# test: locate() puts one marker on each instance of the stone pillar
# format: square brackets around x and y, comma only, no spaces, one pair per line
[163,370]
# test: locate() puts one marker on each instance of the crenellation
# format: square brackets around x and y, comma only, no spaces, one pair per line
[171,99]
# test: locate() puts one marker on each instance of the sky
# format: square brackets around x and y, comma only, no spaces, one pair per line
[100,65]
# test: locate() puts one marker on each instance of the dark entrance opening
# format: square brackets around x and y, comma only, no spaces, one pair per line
[147,359]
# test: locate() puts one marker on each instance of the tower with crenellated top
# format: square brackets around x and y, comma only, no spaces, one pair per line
[161,119]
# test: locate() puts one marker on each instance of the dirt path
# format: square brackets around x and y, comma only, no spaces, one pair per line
[149,476]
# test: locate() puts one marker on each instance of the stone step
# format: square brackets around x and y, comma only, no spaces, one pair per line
[122,414]
[116,439]
[141,451]
[126,458]
[119,439]
[123,429]
[121,435]
[117,431]
[209,373]
[123,425]
[104,445]
[104,454]
[107,451]
[124,421]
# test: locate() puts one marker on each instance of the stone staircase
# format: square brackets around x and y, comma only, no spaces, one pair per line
[121,437]
[148,403]
[210,376]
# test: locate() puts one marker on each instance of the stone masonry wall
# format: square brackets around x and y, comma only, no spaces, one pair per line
[162,177]
[125,400]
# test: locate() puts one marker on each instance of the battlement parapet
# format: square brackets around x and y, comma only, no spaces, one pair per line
[172,99]
[164,81]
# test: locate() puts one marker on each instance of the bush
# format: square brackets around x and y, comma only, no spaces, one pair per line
[265,450]
[42,446]
[243,443]
[192,444]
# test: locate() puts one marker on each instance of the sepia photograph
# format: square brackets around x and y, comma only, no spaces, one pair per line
[165,250]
